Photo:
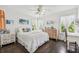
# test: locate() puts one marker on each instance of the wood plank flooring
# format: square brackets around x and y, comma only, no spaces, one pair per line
[49,47]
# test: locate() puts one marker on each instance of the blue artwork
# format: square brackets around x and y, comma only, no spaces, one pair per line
[9,21]
[50,22]
[23,21]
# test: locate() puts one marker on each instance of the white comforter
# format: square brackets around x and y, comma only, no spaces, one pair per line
[32,40]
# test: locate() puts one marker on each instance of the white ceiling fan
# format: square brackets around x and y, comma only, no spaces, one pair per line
[40,11]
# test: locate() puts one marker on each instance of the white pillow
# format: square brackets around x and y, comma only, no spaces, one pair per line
[37,31]
[19,29]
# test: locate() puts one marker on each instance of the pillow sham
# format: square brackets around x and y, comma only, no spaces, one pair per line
[26,29]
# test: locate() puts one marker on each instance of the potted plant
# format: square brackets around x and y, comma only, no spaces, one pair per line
[62,27]
[71,27]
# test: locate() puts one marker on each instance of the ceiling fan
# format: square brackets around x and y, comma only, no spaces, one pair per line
[40,11]
[37,10]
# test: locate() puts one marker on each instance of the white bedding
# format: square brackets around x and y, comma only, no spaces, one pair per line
[32,40]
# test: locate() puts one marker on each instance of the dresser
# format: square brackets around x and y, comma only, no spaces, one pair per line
[6,39]
[53,33]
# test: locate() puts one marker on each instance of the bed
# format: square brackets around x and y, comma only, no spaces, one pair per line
[32,40]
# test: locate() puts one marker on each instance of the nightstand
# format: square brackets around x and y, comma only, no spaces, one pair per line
[6,39]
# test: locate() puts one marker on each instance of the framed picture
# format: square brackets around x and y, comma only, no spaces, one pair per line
[24,21]
[50,22]
[9,21]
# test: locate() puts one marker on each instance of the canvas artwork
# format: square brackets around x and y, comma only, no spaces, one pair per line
[23,21]
[50,22]
[9,21]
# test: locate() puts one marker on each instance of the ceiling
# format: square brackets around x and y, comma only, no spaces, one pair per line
[31,9]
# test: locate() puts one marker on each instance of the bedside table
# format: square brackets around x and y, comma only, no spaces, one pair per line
[6,39]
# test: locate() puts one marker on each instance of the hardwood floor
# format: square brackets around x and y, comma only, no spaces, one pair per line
[49,47]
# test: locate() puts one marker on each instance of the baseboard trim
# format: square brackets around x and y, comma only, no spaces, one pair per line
[56,39]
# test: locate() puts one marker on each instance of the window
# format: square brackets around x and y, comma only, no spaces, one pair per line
[68,22]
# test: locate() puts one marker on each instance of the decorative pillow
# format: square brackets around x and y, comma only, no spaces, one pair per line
[6,31]
[26,29]
[1,31]
[19,30]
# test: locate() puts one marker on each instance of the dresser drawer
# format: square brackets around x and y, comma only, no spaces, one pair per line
[52,33]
